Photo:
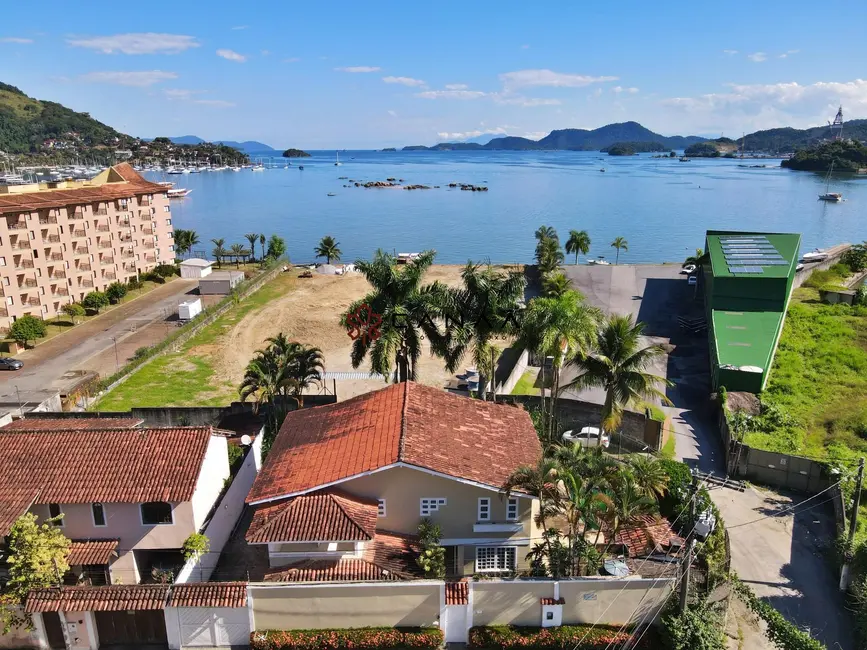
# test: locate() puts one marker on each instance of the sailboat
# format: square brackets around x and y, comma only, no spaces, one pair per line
[834,197]
[338,163]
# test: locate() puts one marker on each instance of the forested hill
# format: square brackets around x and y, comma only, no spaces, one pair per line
[787,139]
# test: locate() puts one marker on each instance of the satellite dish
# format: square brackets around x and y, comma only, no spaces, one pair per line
[246,440]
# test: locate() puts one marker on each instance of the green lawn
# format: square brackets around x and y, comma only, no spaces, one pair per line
[526,384]
[186,377]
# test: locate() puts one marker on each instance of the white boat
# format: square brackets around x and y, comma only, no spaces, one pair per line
[178,193]
[259,168]
[815,256]
[338,163]
[236,169]
[174,170]
[166,183]
[833,197]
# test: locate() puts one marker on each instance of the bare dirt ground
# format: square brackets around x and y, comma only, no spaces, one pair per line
[310,314]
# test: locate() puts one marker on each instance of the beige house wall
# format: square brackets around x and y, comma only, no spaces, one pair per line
[586,600]
[509,603]
[345,606]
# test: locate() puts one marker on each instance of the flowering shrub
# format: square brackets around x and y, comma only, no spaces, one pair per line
[365,638]
[567,637]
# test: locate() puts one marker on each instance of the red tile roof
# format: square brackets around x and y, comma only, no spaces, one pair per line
[108,598]
[408,422]
[71,424]
[648,535]
[457,593]
[318,517]
[209,594]
[30,201]
[390,556]
[14,502]
[552,601]
[93,551]
[120,466]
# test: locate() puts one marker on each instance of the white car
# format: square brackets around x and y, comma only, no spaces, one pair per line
[689,269]
[587,437]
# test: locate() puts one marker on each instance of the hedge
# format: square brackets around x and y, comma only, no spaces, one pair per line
[566,637]
[365,638]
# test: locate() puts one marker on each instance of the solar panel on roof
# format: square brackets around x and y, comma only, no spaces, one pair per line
[745,269]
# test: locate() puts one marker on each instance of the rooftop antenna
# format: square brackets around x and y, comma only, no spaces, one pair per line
[838,124]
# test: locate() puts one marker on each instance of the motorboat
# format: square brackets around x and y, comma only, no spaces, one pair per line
[178,193]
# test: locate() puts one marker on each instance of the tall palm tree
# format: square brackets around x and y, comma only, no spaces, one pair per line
[578,242]
[650,476]
[546,232]
[407,309]
[540,481]
[238,251]
[253,237]
[628,505]
[555,284]
[549,255]
[306,367]
[263,378]
[328,248]
[620,244]
[554,327]
[262,244]
[485,307]
[219,251]
[192,240]
[618,364]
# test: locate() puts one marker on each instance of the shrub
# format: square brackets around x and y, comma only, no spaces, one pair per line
[142,352]
[27,328]
[195,546]
[73,310]
[166,270]
[363,638]
[134,283]
[700,627]
[236,457]
[95,300]
[566,637]
[856,258]
[156,278]
[116,291]
[432,558]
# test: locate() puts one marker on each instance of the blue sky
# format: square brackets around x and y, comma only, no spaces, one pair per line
[368,75]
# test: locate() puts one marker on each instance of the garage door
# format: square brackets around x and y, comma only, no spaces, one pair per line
[214,626]
[131,629]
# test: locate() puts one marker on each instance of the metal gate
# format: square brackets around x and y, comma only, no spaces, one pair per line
[214,626]
[131,629]
[53,630]
[456,630]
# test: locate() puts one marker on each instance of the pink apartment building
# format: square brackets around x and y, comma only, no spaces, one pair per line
[62,240]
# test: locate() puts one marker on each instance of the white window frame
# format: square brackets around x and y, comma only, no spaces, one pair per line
[512,509]
[60,523]
[381,508]
[104,515]
[171,513]
[484,509]
[429,505]
[500,559]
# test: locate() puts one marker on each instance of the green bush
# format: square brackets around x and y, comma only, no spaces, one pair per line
[700,627]
[154,277]
[566,637]
[73,310]
[141,352]
[27,328]
[116,291]
[828,279]
[858,605]
[134,283]
[166,270]
[856,258]
[95,300]
[236,457]
[364,638]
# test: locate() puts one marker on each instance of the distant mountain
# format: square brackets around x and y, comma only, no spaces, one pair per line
[485,138]
[787,139]
[187,139]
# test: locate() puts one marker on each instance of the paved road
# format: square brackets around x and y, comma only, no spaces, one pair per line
[46,364]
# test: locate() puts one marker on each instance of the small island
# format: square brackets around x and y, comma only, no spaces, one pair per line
[632,148]
[846,155]
[295,153]
[721,147]
[388,149]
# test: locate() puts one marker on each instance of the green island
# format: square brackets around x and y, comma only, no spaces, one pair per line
[632,148]
[846,155]
[720,147]
[295,153]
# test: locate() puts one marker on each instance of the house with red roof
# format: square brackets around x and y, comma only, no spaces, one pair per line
[345,486]
[128,496]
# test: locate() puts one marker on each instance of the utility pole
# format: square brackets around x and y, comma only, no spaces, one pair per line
[684,578]
[853,524]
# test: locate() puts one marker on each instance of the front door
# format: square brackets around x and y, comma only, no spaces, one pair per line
[53,631]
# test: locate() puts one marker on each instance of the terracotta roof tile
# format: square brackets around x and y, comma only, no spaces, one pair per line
[120,466]
[648,535]
[457,593]
[92,551]
[321,516]
[209,594]
[108,598]
[419,425]
[71,424]
[14,502]
[552,601]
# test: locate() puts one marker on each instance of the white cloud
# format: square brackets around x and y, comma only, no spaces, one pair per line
[518,100]
[359,68]
[139,43]
[187,95]
[621,89]
[293,59]
[535,135]
[181,93]
[596,93]
[757,57]
[456,86]
[788,53]
[451,94]
[730,52]
[536,78]
[231,55]
[239,27]
[16,39]
[392,113]
[404,81]
[139,79]
[218,103]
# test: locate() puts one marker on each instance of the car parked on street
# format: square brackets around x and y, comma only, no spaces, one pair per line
[8,363]
[587,437]
[689,269]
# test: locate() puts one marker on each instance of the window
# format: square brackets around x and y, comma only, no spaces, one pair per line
[156,513]
[55,511]
[495,558]
[166,208]
[380,512]
[484,509]
[168,222]
[98,512]
[512,510]
[429,506]
[2,261]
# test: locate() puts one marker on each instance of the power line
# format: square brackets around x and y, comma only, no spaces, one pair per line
[784,511]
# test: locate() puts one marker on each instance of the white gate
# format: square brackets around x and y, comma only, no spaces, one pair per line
[456,624]
[214,626]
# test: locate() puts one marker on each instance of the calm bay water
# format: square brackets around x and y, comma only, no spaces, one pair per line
[662,207]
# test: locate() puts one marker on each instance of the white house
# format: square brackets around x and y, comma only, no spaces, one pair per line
[195,268]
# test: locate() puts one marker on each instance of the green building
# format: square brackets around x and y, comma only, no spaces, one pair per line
[747,280]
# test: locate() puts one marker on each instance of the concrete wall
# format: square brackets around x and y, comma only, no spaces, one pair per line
[518,369]
[509,603]
[834,257]
[19,637]
[212,475]
[616,601]
[299,607]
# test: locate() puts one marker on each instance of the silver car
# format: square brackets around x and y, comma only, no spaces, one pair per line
[8,363]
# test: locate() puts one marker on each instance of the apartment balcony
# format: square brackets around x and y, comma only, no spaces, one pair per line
[56,257]
[84,282]
[84,267]
[32,301]
[78,234]
[143,202]
[125,238]
[123,221]
[16,225]
[149,259]
[101,212]
[109,275]
[122,206]
[145,216]
[76,216]
[148,244]
[51,239]
[498,527]
[24,264]
[105,261]
[22,245]
[127,256]
[47,220]
[60,291]
[27,282]
[80,251]
[4,311]
[147,231]
[104,244]
[58,275]
[103,228]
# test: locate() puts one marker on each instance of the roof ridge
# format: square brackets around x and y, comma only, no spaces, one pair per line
[337,500]
[401,444]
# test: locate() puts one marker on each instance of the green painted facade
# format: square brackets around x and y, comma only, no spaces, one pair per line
[746,311]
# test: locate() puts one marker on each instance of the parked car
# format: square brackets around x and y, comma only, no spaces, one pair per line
[587,437]
[800,266]
[8,363]
[692,280]
[689,269]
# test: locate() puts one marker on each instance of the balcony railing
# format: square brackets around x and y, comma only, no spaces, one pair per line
[58,275]
[84,267]
[105,244]
[127,256]
[80,251]
[147,231]
[60,291]
[33,301]
[24,264]
[22,245]
[123,221]
[84,282]
[105,261]
[27,282]
[144,202]
[147,244]
[4,311]
[103,228]
[145,216]
[101,212]
[51,239]
[16,225]
[76,234]
[47,220]
[149,259]
[109,275]
[55,257]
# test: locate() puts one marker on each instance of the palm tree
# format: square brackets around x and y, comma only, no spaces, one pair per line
[578,242]
[328,248]
[485,307]
[253,237]
[262,244]
[554,327]
[620,244]
[238,251]
[546,232]
[540,481]
[218,251]
[306,367]
[549,255]
[407,310]
[649,474]
[618,365]
[263,377]
[555,285]
[628,506]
